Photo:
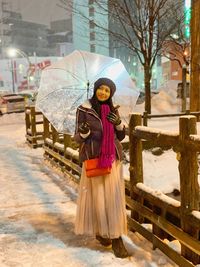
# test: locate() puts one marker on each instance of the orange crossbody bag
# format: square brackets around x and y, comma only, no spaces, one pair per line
[92,169]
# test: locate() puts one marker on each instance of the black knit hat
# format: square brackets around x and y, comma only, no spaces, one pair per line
[105,81]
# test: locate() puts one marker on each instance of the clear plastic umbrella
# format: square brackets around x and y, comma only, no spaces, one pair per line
[67,83]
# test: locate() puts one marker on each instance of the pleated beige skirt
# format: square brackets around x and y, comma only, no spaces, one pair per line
[101,204]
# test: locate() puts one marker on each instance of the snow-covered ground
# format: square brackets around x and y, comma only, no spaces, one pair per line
[37,213]
[37,216]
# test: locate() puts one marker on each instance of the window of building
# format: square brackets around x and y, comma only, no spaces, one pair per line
[92,25]
[92,48]
[92,36]
[91,11]
[159,61]
[91,2]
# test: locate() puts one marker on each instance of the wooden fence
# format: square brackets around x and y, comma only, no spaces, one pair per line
[34,127]
[61,151]
[147,116]
[170,219]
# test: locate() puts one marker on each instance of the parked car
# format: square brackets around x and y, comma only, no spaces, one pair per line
[11,103]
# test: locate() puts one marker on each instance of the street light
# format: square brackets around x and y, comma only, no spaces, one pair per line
[12,52]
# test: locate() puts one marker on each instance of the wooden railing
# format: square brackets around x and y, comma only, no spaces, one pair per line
[147,116]
[61,151]
[34,120]
[169,219]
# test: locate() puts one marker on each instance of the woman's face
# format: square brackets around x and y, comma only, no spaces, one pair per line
[103,93]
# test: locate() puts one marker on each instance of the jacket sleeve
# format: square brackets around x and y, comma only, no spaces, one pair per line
[95,135]
[80,118]
[120,133]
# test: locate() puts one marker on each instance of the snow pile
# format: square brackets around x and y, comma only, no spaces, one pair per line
[162,103]
[155,173]
[165,102]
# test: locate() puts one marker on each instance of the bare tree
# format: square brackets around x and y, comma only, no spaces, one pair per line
[177,47]
[140,25]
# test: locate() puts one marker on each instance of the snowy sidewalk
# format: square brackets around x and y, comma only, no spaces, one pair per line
[37,215]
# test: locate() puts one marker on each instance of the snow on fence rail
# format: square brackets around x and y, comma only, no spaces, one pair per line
[170,219]
[147,116]
[61,151]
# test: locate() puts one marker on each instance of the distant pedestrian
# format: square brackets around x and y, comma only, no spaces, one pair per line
[101,202]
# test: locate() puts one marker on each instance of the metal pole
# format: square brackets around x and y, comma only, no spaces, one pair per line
[23,54]
[88,86]
[12,72]
[184,88]
[27,78]
[36,69]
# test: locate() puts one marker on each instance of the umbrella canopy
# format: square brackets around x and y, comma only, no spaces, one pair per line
[67,83]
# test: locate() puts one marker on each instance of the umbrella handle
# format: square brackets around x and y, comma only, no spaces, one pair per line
[88,85]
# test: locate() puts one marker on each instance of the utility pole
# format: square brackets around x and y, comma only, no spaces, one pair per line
[184,89]
[13,77]
[195,57]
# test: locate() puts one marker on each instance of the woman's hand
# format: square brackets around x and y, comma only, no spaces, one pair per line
[84,128]
[113,118]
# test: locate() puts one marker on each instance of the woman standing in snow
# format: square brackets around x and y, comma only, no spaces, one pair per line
[101,202]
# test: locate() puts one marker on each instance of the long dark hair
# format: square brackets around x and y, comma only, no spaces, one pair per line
[96,104]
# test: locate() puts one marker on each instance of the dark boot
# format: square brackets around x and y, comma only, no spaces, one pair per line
[119,248]
[104,241]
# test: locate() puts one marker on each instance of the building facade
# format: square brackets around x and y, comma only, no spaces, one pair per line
[60,37]
[27,36]
[33,38]
[16,74]
[86,35]
[91,25]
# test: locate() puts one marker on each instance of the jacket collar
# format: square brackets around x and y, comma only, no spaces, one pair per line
[87,104]
[87,107]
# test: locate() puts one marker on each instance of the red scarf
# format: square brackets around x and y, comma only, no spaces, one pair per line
[107,155]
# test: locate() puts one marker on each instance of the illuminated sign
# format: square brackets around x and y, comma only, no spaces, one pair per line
[187,17]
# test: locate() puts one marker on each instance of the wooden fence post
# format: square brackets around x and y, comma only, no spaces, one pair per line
[33,125]
[145,118]
[67,141]
[189,187]
[135,152]
[55,135]
[46,133]
[27,119]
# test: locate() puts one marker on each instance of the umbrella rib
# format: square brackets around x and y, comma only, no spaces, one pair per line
[55,91]
[84,64]
[73,104]
[72,74]
[105,68]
